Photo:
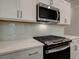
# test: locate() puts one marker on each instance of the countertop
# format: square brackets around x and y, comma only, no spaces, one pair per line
[10,46]
[72,37]
[15,45]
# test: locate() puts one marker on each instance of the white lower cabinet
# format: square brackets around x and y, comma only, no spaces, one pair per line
[75,49]
[8,56]
[34,53]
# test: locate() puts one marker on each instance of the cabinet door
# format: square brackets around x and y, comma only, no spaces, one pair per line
[75,49]
[17,55]
[44,1]
[67,12]
[35,53]
[56,3]
[77,52]
[8,56]
[61,5]
[8,8]
[21,55]
[28,10]
[62,12]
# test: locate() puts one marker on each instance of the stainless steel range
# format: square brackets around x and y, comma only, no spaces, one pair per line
[56,47]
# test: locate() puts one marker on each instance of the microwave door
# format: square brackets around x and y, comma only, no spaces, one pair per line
[47,15]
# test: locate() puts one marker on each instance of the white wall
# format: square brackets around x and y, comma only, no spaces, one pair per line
[11,31]
[73,29]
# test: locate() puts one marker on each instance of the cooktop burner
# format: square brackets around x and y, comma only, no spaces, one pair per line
[51,39]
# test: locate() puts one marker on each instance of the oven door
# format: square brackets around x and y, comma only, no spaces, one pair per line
[58,53]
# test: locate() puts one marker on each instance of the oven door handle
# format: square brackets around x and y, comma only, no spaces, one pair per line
[57,49]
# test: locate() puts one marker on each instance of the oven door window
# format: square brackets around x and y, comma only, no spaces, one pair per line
[47,13]
[64,54]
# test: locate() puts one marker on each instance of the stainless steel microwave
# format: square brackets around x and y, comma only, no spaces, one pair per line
[46,13]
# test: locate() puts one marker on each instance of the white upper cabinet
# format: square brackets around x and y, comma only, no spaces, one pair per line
[44,1]
[8,9]
[18,9]
[65,10]
[28,10]
[62,8]
[56,3]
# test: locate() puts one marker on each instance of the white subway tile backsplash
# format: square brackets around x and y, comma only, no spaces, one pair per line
[11,31]
[7,31]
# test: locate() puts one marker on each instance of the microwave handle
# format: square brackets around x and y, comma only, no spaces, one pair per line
[57,15]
